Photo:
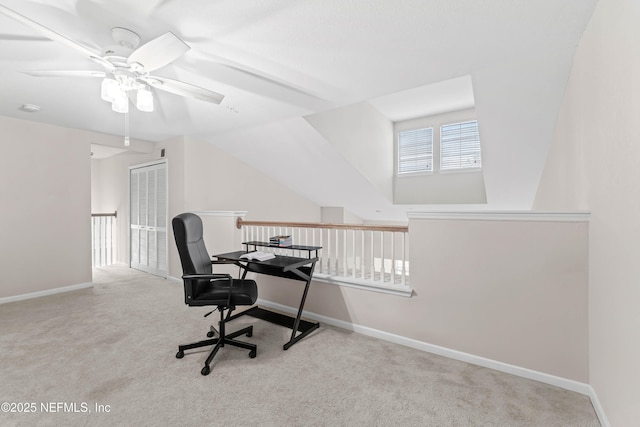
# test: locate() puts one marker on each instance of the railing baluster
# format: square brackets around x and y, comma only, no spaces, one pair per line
[345,267]
[362,237]
[93,244]
[336,253]
[100,241]
[354,257]
[393,258]
[103,245]
[404,257]
[382,269]
[109,243]
[372,258]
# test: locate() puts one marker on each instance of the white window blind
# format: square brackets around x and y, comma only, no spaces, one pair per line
[460,146]
[415,151]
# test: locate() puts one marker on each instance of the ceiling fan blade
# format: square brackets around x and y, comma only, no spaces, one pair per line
[65,73]
[184,89]
[53,35]
[159,52]
[13,37]
[247,78]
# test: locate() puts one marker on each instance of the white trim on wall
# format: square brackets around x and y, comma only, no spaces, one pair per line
[577,216]
[349,282]
[553,380]
[597,406]
[230,214]
[46,292]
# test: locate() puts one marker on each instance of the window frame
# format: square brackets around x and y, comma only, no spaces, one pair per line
[440,148]
[399,158]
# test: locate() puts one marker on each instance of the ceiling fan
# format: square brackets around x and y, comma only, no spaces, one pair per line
[126,76]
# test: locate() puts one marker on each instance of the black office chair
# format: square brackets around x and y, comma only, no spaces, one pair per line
[202,288]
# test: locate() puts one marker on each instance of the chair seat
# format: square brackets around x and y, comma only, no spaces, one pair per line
[216,292]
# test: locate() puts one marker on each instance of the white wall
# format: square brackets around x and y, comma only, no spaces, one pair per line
[45,217]
[594,162]
[364,137]
[517,104]
[215,180]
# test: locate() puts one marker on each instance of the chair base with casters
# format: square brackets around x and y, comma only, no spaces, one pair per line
[220,342]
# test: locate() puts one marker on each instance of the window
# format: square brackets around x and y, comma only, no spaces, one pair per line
[460,146]
[415,151]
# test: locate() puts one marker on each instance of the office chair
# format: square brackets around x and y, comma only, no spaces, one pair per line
[203,288]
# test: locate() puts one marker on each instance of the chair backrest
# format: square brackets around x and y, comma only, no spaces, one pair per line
[187,230]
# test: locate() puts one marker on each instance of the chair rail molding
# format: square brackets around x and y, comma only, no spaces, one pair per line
[223,214]
[507,215]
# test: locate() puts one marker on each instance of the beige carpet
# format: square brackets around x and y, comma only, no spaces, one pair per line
[108,355]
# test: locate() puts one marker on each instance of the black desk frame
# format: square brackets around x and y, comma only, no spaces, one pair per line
[293,268]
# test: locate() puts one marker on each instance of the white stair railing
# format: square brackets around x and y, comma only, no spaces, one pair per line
[103,245]
[371,256]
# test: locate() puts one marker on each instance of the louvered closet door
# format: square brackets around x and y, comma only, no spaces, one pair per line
[149,218]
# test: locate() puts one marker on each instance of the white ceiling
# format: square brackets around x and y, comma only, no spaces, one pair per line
[277,60]
[436,98]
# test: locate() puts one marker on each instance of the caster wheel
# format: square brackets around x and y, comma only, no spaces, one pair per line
[180,355]
[205,370]
[252,354]
[210,334]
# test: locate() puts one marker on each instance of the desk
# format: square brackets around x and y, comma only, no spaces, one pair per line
[294,268]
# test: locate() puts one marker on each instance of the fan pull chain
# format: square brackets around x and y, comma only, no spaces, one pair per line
[126,129]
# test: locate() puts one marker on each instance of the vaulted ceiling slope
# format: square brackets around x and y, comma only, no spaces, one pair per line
[279,60]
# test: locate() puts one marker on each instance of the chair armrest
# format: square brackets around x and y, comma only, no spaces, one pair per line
[208,276]
[211,277]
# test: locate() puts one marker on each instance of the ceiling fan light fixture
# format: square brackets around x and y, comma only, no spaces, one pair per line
[109,90]
[121,103]
[144,100]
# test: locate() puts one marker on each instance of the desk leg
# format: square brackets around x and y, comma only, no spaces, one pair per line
[294,339]
[296,324]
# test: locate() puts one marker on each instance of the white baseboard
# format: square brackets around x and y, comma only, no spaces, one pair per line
[442,351]
[39,294]
[602,417]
